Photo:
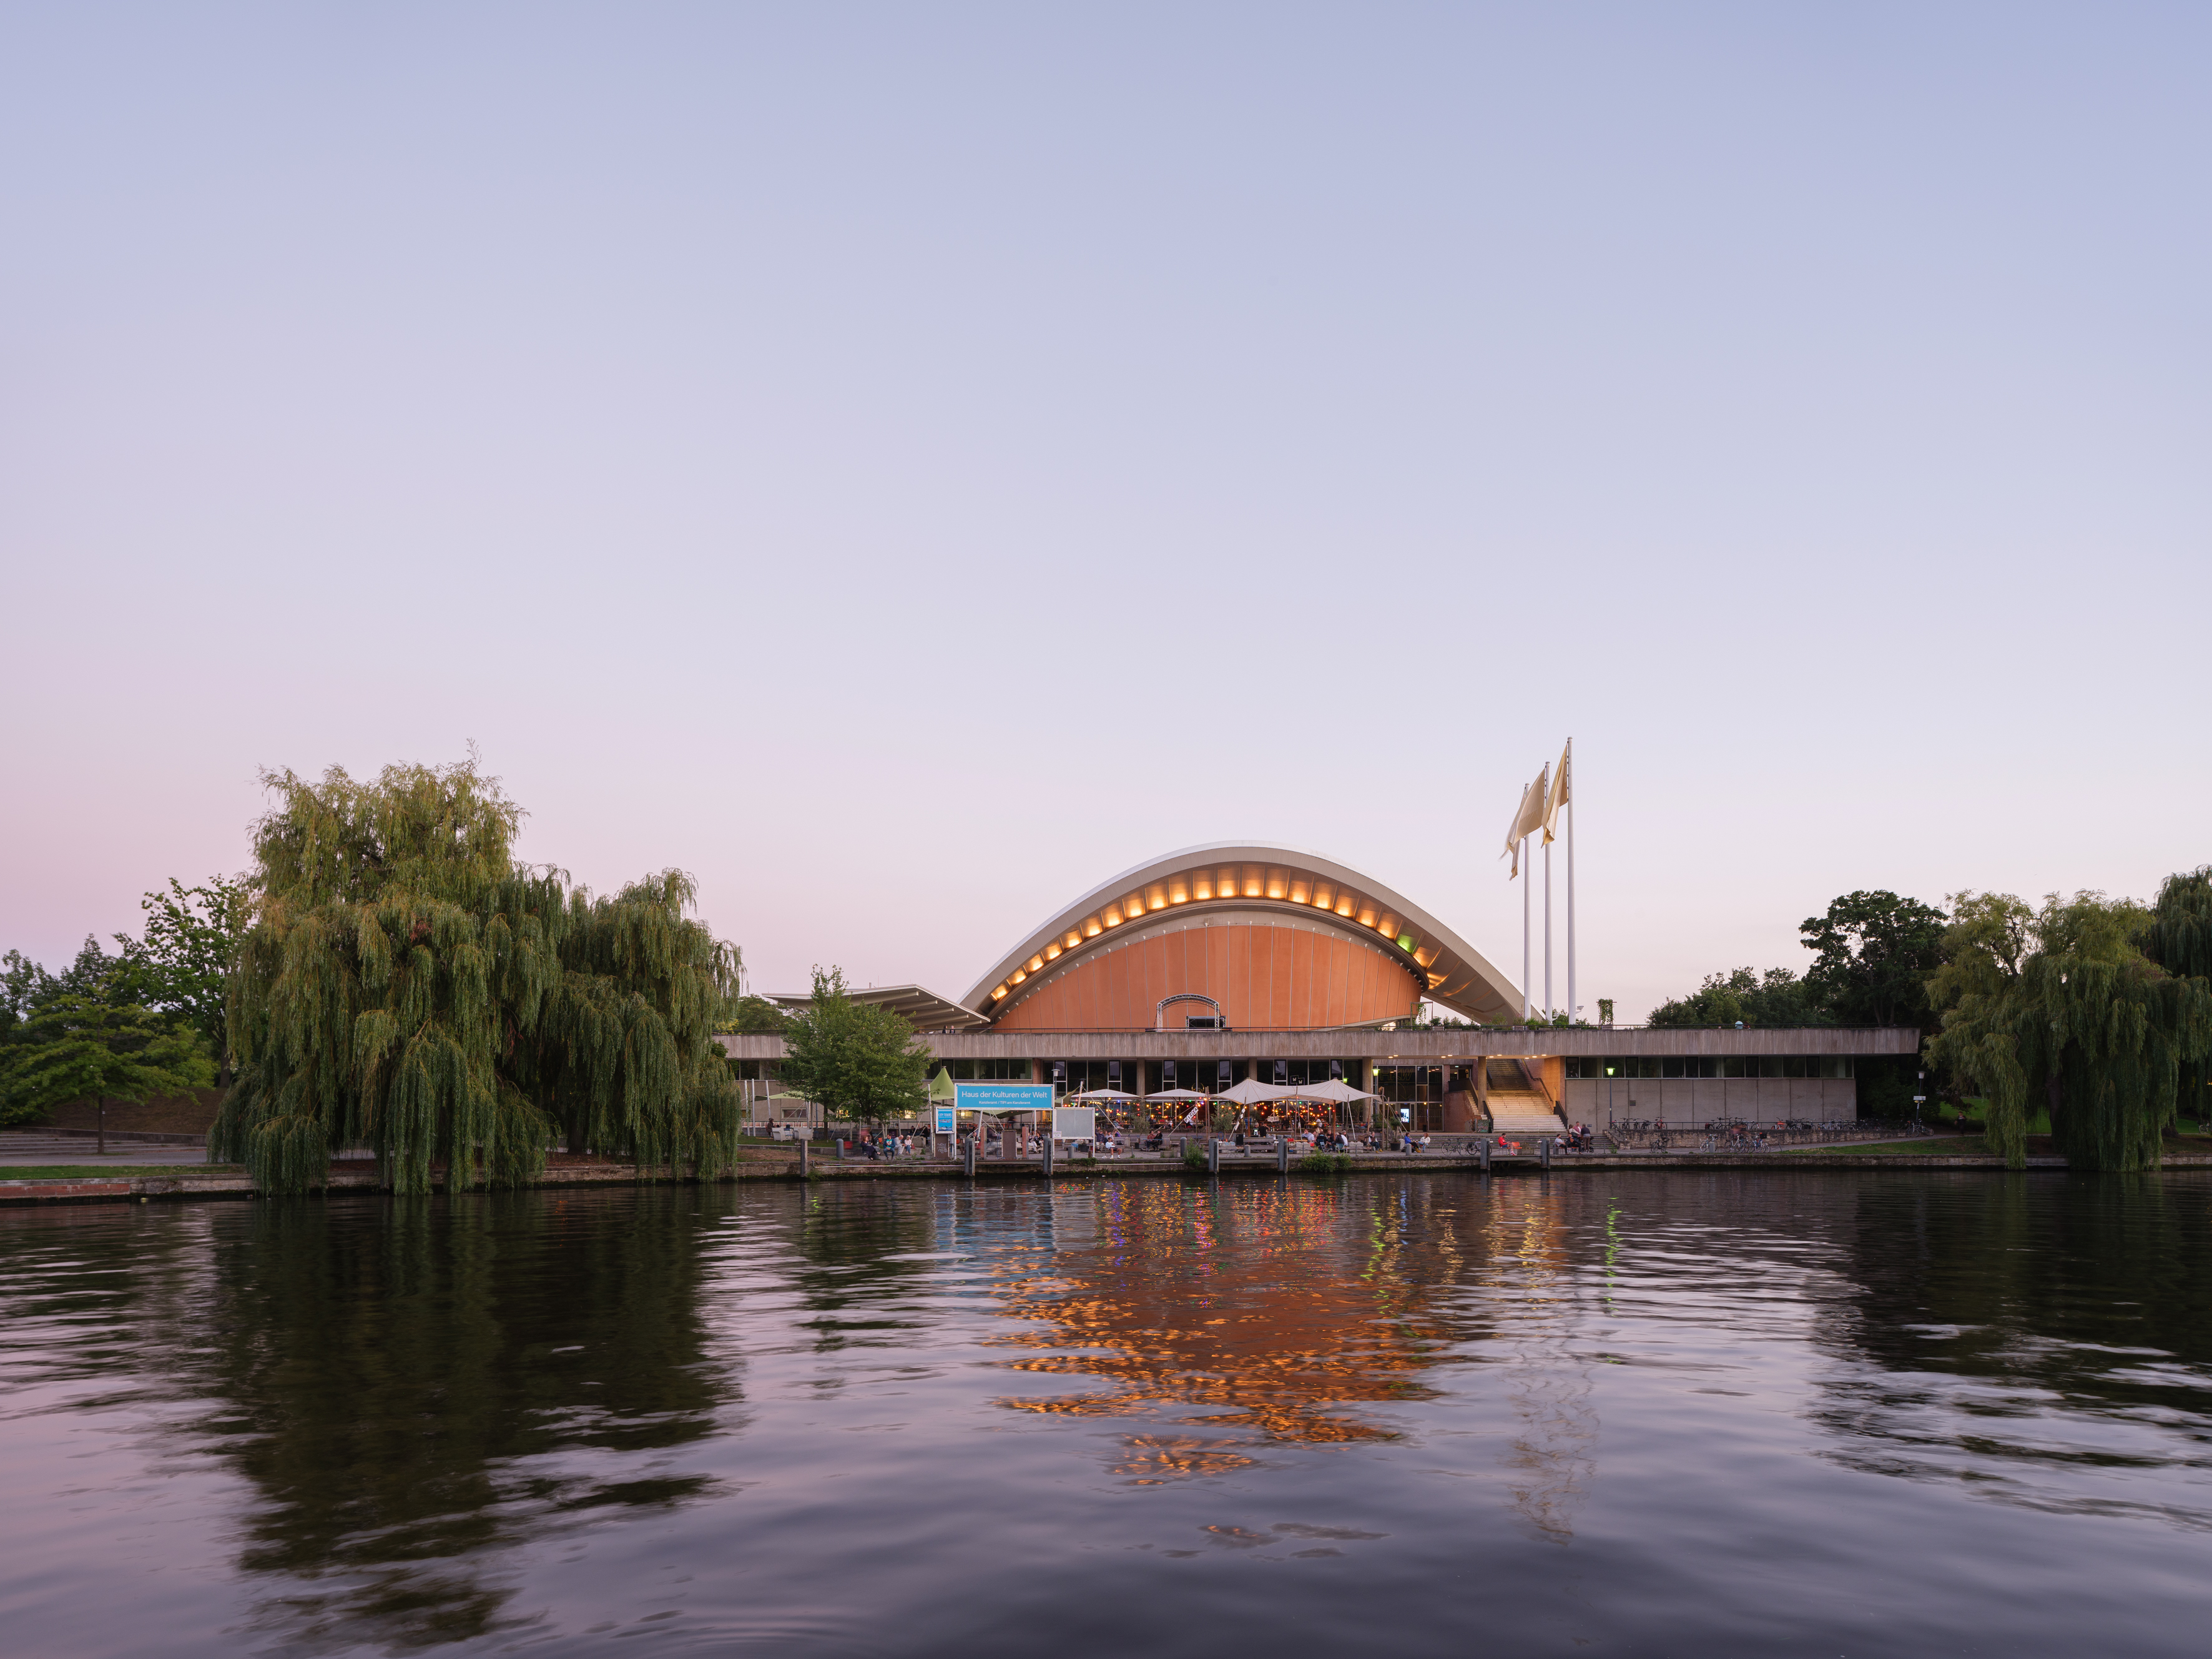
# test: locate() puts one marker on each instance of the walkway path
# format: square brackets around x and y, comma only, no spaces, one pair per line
[19,1147]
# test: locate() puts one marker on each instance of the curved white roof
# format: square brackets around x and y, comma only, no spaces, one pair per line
[1246,874]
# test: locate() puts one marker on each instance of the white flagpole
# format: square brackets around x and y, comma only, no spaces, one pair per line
[1526,873]
[1572,1004]
[1547,930]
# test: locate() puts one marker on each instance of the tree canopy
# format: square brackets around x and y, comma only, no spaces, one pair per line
[1872,951]
[1872,954]
[854,1059]
[2178,937]
[757,1015]
[183,961]
[1777,997]
[407,985]
[70,1046]
[2059,1007]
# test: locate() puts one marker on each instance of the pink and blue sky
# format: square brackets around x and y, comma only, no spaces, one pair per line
[904,463]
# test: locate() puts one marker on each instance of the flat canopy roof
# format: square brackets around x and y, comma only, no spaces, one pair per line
[921,1008]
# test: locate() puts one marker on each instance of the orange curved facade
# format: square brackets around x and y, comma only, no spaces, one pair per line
[1267,977]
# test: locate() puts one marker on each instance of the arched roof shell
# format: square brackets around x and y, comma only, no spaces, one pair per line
[1248,873]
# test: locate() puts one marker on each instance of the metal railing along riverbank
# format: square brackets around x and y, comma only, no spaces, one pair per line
[1736,1135]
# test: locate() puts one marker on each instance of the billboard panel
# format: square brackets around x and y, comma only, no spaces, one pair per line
[1002,1096]
[1075,1123]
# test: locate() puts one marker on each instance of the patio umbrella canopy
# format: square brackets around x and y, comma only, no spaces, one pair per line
[1104,1094]
[1248,1093]
[1176,1094]
[1335,1089]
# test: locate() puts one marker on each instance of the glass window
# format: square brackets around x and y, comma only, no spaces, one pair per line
[1670,1068]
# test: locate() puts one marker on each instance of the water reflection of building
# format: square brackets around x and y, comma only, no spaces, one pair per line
[1219,1325]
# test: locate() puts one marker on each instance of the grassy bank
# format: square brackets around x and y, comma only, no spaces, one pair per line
[110,1172]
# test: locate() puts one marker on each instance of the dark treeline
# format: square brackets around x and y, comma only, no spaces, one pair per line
[2095,1010]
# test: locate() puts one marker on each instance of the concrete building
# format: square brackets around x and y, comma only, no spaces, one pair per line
[1237,961]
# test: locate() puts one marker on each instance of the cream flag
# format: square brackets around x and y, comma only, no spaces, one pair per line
[1558,798]
[1526,822]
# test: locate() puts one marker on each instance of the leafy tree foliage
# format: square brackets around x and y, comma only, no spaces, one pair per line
[407,985]
[757,1015]
[854,1059]
[184,961]
[2059,1007]
[1873,952]
[1776,998]
[73,1047]
[25,986]
[2179,937]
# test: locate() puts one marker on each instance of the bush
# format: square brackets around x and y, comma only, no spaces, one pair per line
[1193,1158]
[1324,1164]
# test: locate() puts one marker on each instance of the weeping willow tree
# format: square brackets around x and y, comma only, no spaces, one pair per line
[2179,938]
[408,987]
[2060,1008]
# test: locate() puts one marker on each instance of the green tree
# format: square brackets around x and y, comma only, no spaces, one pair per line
[407,985]
[75,1046]
[2063,1010]
[1873,952]
[1776,998]
[184,960]
[854,1059]
[23,985]
[757,1016]
[2178,937]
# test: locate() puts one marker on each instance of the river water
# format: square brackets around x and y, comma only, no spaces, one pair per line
[1835,1414]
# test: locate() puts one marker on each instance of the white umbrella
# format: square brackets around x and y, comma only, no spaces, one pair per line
[1176,1094]
[1103,1094]
[1251,1093]
[1334,1089]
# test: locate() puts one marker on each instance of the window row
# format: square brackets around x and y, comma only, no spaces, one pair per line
[1746,1066]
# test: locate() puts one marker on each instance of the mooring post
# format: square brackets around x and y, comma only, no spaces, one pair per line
[805,1146]
[1545,1147]
[1283,1155]
[1212,1157]
[1482,1147]
[1048,1157]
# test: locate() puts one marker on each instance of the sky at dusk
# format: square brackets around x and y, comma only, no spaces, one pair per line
[906,464]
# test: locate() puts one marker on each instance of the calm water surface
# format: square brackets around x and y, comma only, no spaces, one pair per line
[1672,1412]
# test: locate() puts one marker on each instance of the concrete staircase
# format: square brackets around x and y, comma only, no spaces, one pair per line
[1518,1109]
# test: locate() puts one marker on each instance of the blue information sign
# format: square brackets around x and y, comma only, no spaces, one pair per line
[1002,1096]
[948,1121]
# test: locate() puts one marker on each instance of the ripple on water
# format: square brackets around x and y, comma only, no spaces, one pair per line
[1673,1411]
